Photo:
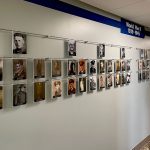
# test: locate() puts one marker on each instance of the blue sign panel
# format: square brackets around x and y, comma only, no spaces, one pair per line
[131,28]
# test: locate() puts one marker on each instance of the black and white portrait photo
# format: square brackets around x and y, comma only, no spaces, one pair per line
[109,66]
[123,65]
[102,66]
[142,53]
[128,63]
[109,80]
[123,78]
[101,50]
[72,67]
[19,43]
[128,78]
[72,48]
[19,94]
[122,52]
[92,83]
[92,66]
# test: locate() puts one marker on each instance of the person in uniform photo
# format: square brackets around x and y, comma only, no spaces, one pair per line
[102,66]
[19,69]
[82,66]
[72,48]
[20,46]
[122,52]
[71,67]
[71,86]
[92,83]
[92,66]
[57,88]
[101,50]
[56,68]
[109,66]
[20,95]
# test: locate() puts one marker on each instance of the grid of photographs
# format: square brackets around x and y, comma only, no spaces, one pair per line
[143,65]
[19,94]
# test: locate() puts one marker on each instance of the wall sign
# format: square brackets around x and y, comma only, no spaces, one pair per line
[131,28]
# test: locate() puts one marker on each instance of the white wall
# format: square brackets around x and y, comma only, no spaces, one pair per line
[115,119]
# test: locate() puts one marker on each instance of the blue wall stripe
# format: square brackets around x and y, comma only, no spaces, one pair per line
[74,10]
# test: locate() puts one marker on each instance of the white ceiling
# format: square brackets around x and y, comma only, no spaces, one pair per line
[134,10]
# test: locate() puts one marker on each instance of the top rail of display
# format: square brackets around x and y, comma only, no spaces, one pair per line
[67,39]
[139,32]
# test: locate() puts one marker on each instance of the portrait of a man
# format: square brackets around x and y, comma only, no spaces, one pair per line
[82,66]
[92,83]
[122,52]
[101,50]
[19,43]
[92,67]
[56,88]
[71,86]
[19,94]
[39,68]
[72,47]
[39,91]
[102,66]
[56,68]
[109,66]
[128,65]
[19,69]
[71,67]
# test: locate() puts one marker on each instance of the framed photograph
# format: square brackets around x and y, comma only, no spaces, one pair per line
[19,43]
[1,97]
[19,69]
[92,66]
[72,65]
[56,68]
[146,54]
[122,52]
[143,75]
[71,86]
[144,65]
[109,66]
[142,53]
[147,75]
[102,66]
[82,66]
[92,83]
[128,63]
[128,78]
[72,48]
[19,94]
[82,84]
[56,88]
[39,91]
[123,78]
[39,68]
[139,76]
[1,69]
[117,66]
[102,82]
[109,80]
[148,64]
[140,64]
[123,65]
[117,79]
[101,50]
